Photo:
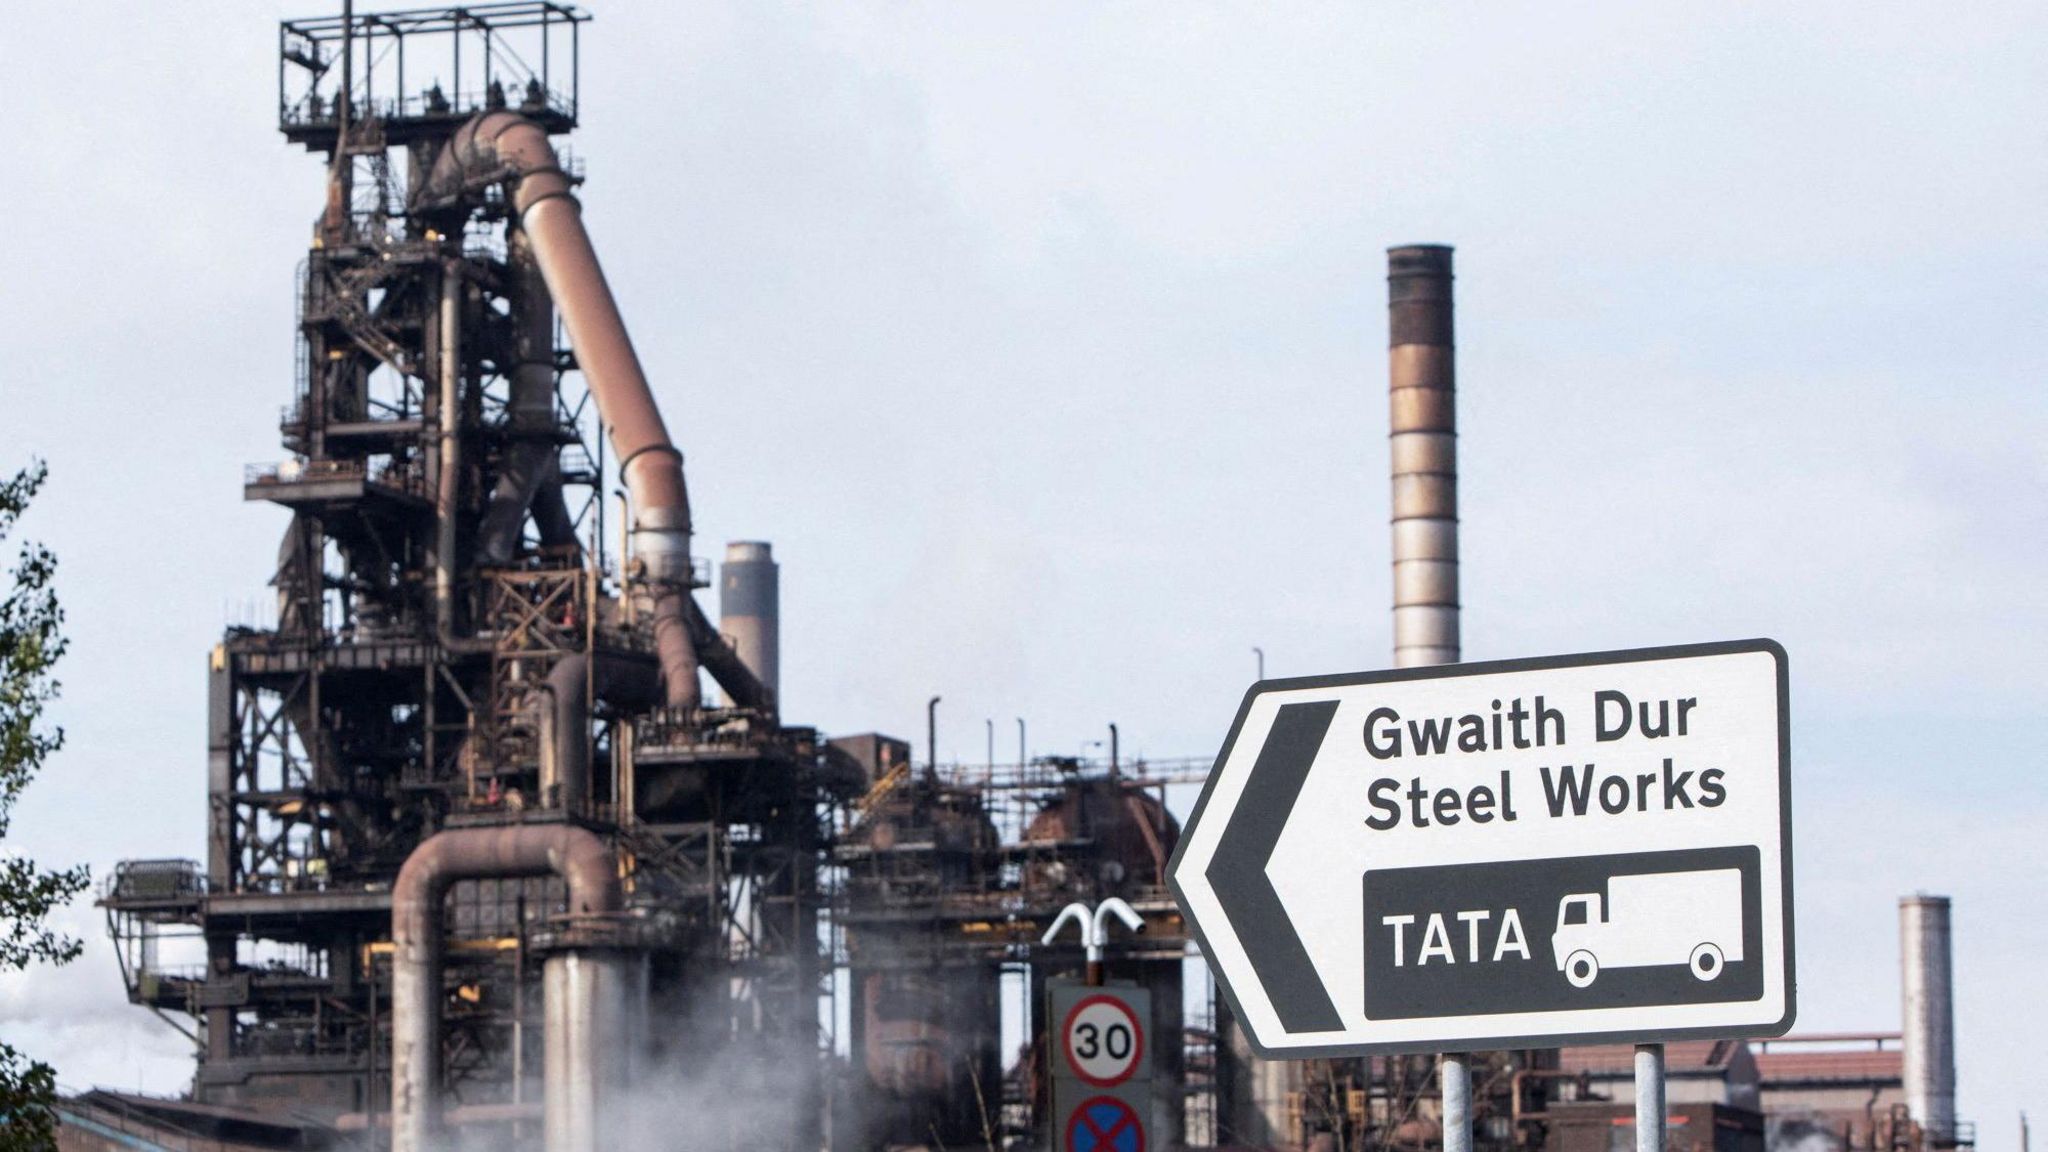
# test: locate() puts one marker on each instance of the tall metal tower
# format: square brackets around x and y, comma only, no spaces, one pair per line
[458,647]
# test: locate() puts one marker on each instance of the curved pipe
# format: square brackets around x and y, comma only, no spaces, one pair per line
[565,738]
[505,146]
[577,855]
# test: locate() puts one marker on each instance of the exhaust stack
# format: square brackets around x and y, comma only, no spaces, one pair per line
[1423,447]
[749,609]
[1929,1011]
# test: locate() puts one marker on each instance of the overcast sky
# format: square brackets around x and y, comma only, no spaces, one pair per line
[1046,343]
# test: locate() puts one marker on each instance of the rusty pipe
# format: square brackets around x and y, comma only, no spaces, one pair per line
[726,665]
[509,147]
[530,478]
[622,681]
[1424,450]
[577,855]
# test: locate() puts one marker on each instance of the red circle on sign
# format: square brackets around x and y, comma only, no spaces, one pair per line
[1137,1042]
[1107,1139]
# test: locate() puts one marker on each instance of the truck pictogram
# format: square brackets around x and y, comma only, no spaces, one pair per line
[1651,919]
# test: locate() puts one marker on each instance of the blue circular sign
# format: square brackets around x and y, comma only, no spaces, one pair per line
[1105,1124]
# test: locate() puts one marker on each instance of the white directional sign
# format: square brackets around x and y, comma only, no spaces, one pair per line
[1515,854]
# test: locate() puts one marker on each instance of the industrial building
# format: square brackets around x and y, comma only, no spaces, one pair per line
[488,865]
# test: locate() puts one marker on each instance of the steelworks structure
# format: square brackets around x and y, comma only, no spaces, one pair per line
[470,819]
[478,845]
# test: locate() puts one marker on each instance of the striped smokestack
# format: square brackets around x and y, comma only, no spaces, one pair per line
[1424,449]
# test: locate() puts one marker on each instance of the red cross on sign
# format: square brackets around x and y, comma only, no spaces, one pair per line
[1105,1124]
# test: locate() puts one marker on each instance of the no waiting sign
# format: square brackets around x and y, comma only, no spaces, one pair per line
[1512,854]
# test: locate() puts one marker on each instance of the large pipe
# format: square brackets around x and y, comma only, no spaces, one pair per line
[1929,1044]
[577,855]
[503,145]
[749,609]
[565,719]
[530,476]
[1424,450]
[741,686]
[594,1002]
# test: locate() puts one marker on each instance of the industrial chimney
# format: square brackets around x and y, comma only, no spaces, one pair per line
[1424,449]
[1930,1032]
[749,609]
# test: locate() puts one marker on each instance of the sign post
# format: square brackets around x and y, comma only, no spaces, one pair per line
[1525,853]
[1649,1098]
[1101,1067]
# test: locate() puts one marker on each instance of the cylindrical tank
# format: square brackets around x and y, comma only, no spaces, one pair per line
[595,1001]
[1128,836]
[927,1018]
[1929,1010]
[1423,447]
[1105,837]
[749,609]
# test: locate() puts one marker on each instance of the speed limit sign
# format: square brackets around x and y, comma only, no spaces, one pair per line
[1103,1040]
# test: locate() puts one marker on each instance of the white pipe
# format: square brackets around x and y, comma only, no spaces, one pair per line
[1650,1098]
[449,489]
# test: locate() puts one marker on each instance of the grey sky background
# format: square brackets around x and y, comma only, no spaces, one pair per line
[1046,343]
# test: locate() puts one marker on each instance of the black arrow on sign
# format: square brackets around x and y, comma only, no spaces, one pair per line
[1238,870]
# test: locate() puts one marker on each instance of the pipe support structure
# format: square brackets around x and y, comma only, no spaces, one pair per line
[584,862]
[508,147]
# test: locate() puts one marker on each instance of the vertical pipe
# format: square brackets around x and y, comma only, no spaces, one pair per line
[931,736]
[750,609]
[450,465]
[588,1047]
[1930,1045]
[1456,1079]
[1649,1098]
[1423,447]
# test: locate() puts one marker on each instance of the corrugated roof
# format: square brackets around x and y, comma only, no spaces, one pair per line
[1856,1064]
[1620,1059]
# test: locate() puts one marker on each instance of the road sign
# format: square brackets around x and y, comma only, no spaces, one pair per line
[1524,853]
[1103,1040]
[1105,1124]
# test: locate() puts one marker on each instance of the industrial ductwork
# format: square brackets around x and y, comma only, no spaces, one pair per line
[505,147]
[529,480]
[622,681]
[1423,446]
[587,992]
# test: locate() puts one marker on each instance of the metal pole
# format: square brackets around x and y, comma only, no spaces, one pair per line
[1112,750]
[991,746]
[931,736]
[1020,743]
[1649,1098]
[1261,654]
[1457,1087]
